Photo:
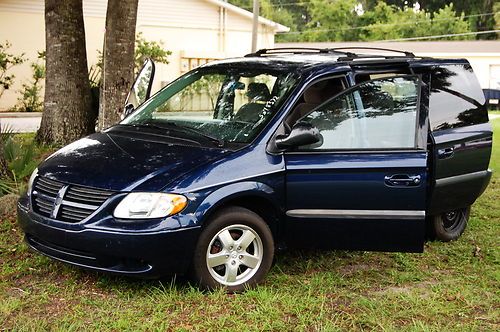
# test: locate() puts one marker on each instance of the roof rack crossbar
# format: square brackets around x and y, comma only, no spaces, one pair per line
[406,53]
[346,55]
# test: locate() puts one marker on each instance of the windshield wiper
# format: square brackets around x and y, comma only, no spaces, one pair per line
[174,126]
[149,125]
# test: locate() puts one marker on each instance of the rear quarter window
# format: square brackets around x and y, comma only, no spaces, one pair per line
[456,98]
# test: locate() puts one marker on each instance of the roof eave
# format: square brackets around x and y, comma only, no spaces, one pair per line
[262,20]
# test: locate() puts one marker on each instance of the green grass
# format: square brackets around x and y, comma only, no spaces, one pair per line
[451,287]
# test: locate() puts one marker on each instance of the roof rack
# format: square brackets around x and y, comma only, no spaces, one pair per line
[338,50]
[406,53]
[296,50]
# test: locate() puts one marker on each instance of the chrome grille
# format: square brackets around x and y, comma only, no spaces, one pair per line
[48,186]
[44,195]
[87,195]
[74,203]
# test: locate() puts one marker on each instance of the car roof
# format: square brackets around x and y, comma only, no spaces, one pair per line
[281,62]
[304,59]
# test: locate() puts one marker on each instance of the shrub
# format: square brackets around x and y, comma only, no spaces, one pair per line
[149,50]
[17,159]
[30,100]
[7,61]
[144,49]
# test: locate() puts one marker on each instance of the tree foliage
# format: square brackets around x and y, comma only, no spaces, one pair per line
[153,50]
[31,99]
[369,20]
[339,21]
[7,61]
[276,10]
[496,9]
[144,49]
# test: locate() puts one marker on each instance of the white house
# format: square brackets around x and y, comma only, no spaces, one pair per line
[196,31]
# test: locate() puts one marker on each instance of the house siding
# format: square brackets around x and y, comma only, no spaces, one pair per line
[178,13]
[92,8]
[191,29]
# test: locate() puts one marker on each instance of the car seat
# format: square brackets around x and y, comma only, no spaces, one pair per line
[259,94]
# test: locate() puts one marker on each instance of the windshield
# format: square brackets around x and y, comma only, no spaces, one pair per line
[223,104]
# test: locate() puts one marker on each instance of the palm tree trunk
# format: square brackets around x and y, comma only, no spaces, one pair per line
[67,112]
[118,62]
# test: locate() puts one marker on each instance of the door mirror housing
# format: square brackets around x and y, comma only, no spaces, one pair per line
[302,133]
[141,89]
[127,110]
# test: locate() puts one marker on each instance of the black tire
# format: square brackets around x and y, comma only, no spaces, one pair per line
[220,242]
[450,225]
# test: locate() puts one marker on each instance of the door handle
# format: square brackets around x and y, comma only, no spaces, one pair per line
[402,180]
[446,153]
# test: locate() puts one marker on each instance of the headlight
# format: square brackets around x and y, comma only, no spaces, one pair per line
[32,179]
[149,205]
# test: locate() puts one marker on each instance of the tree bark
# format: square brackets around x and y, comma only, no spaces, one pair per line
[67,112]
[118,62]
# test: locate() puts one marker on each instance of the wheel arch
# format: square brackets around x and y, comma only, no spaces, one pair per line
[255,196]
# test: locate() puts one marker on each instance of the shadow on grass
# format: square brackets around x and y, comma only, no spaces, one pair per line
[298,264]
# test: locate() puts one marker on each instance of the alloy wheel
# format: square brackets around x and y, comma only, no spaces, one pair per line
[234,255]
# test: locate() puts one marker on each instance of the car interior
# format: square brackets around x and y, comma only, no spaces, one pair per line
[314,96]
[258,94]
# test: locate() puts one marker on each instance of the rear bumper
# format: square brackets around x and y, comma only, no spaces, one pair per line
[145,255]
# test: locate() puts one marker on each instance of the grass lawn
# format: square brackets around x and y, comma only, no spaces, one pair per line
[451,287]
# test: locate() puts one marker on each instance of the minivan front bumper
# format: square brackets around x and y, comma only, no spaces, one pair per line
[140,254]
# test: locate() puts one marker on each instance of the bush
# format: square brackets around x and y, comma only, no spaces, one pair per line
[30,100]
[149,50]
[7,61]
[17,160]
[144,49]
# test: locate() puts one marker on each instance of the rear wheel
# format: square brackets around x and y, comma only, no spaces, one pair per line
[450,225]
[234,251]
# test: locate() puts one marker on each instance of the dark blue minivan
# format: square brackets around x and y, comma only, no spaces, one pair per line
[283,148]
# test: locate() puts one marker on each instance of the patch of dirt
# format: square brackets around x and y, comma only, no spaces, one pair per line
[8,205]
[368,261]
[348,270]
[422,287]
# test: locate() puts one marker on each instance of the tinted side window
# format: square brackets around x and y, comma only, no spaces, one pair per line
[379,114]
[456,98]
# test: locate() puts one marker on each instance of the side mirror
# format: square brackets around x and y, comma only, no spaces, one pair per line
[141,89]
[302,134]
[127,110]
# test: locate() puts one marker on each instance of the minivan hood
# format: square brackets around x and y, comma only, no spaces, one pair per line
[122,161]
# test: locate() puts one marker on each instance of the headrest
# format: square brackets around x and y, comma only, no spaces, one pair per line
[313,95]
[258,90]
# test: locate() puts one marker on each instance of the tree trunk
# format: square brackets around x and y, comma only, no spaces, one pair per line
[67,112]
[118,62]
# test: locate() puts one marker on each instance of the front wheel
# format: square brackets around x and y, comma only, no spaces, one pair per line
[450,225]
[234,251]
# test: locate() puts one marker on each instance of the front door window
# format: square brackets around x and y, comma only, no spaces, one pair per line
[378,114]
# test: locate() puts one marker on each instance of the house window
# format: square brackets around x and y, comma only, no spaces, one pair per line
[188,64]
